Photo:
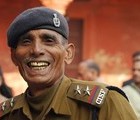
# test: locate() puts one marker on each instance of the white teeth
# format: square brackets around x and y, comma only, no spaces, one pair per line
[38,68]
[38,64]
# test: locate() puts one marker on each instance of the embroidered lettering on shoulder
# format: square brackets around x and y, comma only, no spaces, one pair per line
[100,97]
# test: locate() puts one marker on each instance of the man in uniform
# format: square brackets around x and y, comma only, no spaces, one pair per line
[38,39]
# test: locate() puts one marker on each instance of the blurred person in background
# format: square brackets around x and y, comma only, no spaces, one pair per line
[132,89]
[5,91]
[135,57]
[89,70]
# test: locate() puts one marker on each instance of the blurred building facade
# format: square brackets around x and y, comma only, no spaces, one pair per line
[107,31]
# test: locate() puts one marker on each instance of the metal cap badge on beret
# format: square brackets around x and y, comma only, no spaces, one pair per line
[36,18]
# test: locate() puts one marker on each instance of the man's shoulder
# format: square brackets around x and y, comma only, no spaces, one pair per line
[10,104]
[89,92]
[88,82]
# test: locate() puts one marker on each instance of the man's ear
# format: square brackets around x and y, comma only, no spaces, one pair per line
[70,53]
[13,57]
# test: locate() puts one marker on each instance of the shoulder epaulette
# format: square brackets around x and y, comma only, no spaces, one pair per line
[7,106]
[93,94]
[117,90]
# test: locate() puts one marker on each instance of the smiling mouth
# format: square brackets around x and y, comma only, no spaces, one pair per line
[38,65]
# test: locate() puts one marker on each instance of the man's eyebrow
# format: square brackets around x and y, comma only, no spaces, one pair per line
[48,35]
[27,35]
[51,36]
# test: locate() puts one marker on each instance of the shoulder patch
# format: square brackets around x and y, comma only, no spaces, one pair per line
[88,93]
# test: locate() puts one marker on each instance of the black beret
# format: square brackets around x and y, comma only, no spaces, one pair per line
[36,18]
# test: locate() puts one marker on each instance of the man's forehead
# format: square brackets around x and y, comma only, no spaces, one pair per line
[41,31]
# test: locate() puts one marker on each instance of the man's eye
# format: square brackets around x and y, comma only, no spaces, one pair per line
[24,42]
[49,41]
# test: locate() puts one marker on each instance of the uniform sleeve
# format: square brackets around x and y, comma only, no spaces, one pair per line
[116,107]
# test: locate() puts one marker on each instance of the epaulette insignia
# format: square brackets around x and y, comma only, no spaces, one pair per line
[91,94]
[6,106]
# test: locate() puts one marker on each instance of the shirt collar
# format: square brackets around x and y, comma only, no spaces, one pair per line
[62,107]
[21,103]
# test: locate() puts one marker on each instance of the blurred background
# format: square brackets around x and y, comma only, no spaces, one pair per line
[107,31]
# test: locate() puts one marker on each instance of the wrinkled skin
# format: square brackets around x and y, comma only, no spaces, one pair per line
[41,56]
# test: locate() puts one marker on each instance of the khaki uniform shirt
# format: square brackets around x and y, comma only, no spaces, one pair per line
[72,100]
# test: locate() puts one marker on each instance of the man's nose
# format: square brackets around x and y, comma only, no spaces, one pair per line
[37,49]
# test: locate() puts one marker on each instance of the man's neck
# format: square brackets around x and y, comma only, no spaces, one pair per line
[36,90]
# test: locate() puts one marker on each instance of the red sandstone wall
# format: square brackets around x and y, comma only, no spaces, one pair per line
[111,31]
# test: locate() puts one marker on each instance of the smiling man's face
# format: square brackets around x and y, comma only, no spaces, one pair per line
[41,56]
